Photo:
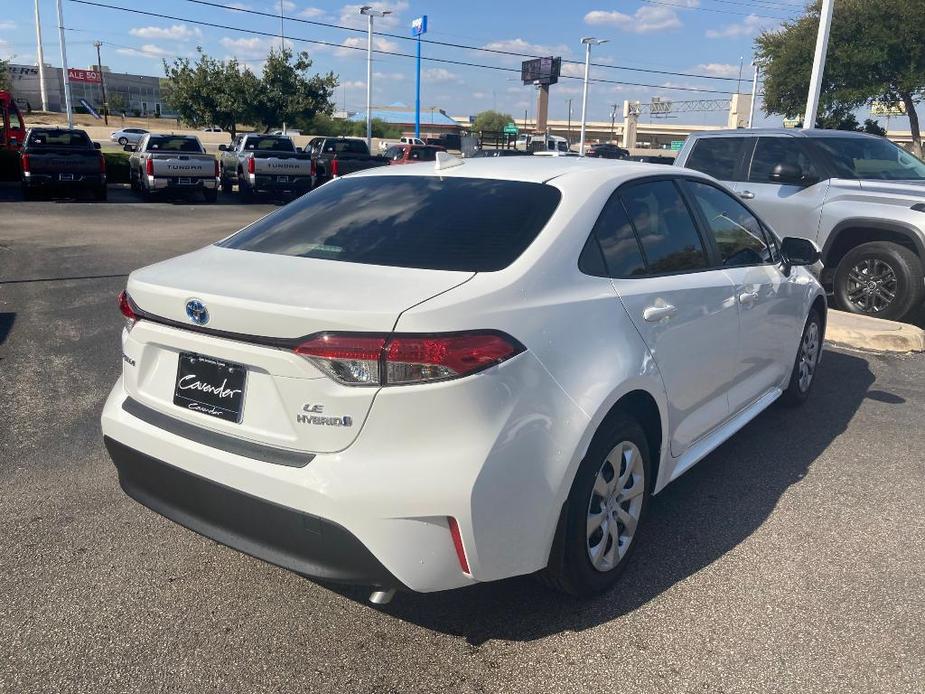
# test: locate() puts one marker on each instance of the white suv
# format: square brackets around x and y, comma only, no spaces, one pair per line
[426,377]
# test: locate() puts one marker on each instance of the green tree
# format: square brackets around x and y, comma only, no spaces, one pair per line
[211,92]
[288,92]
[491,121]
[876,53]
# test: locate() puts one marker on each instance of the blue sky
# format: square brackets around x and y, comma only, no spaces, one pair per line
[697,37]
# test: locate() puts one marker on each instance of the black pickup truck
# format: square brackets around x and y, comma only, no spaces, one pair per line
[62,161]
[338,156]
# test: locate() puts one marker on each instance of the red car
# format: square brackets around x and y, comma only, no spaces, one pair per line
[411,154]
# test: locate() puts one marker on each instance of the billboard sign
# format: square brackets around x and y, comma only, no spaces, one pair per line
[419,26]
[77,75]
[544,71]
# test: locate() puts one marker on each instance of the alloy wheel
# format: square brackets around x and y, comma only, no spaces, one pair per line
[872,285]
[809,356]
[615,506]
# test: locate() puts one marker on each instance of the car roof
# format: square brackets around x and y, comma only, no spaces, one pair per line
[784,132]
[534,169]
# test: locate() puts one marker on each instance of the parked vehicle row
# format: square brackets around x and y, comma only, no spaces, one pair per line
[519,353]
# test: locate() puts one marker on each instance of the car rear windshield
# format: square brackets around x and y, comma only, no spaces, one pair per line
[174,144]
[465,224]
[59,138]
[345,147]
[276,144]
[871,159]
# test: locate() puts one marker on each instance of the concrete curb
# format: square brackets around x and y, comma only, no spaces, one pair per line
[873,334]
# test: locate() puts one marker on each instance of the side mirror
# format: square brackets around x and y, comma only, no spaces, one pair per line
[788,174]
[798,252]
[223,148]
[129,148]
[96,145]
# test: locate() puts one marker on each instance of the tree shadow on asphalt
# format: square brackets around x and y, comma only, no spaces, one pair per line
[692,523]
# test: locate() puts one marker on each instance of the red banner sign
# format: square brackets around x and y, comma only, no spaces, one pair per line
[78,75]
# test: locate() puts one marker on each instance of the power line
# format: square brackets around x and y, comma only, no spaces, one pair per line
[446,61]
[711,9]
[449,44]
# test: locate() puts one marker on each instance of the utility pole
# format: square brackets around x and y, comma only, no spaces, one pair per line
[751,112]
[569,138]
[739,83]
[67,83]
[588,41]
[40,54]
[370,13]
[815,80]
[99,66]
[418,27]
[282,42]
[613,119]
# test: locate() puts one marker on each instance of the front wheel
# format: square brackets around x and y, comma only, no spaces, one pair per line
[804,368]
[605,507]
[123,141]
[880,279]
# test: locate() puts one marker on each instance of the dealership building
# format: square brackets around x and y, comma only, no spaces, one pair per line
[133,94]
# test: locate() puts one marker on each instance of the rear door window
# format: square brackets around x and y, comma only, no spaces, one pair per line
[665,227]
[618,244]
[464,224]
[739,235]
[771,151]
[718,157]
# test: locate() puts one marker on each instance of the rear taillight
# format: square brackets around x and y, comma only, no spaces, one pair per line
[127,307]
[149,167]
[381,360]
[251,167]
[25,164]
[102,164]
[334,167]
[314,168]
[216,168]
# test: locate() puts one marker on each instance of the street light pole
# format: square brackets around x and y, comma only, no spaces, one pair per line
[569,122]
[40,54]
[370,13]
[751,111]
[815,80]
[588,41]
[67,83]
[613,119]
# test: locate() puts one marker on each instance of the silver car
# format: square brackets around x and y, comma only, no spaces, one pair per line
[128,136]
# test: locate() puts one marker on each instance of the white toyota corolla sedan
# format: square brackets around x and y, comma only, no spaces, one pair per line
[429,376]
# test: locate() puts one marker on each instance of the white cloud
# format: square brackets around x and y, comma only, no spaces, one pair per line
[644,20]
[354,84]
[438,75]
[573,69]
[7,25]
[176,32]
[354,42]
[5,51]
[750,26]
[149,50]
[350,14]
[288,5]
[719,69]
[520,46]
[253,47]
[312,12]
[391,76]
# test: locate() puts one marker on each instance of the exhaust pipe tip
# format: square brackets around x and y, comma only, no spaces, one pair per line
[382,597]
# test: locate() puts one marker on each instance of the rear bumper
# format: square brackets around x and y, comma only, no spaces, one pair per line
[294,540]
[272,184]
[173,184]
[87,181]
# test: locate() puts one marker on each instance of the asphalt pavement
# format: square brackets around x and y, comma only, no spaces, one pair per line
[790,560]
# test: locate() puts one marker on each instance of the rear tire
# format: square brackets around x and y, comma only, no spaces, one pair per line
[880,279]
[123,141]
[604,511]
[100,194]
[28,194]
[244,191]
[804,366]
[210,194]
[227,184]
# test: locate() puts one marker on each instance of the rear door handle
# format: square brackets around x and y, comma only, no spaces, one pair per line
[746,195]
[748,298]
[653,314]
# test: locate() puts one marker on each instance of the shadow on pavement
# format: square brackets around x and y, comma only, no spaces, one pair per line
[691,524]
[6,325]
[121,194]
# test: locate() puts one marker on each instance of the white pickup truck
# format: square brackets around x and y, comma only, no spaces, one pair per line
[172,164]
[384,145]
[265,164]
